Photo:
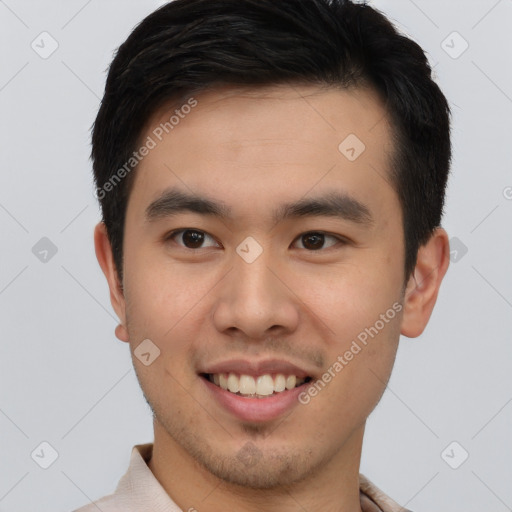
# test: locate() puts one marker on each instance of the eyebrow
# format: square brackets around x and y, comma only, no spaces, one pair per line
[331,204]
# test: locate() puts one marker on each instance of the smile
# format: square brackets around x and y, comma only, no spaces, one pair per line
[261,386]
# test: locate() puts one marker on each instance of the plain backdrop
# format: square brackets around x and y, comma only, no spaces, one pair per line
[440,439]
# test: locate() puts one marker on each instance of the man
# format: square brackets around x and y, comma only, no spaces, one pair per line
[271,177]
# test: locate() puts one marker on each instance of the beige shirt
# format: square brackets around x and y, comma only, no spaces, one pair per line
[139,491]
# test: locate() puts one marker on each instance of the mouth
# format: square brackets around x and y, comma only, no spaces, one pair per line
[259,387]
[255,391]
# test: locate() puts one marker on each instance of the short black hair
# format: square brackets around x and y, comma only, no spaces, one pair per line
[189,46]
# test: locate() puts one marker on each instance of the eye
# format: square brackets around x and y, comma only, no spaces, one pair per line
[314,240]
[190,238]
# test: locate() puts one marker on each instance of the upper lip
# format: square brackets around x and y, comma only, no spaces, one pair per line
[256,368]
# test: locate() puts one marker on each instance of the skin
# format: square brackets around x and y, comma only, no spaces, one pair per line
[254,150]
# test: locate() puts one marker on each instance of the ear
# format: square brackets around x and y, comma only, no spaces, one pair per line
[106,261]
[424,283]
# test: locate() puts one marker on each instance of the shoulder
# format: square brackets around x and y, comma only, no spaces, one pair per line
[110,503]
[382,500]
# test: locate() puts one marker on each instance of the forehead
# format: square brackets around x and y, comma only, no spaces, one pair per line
[269,142]
[279,112]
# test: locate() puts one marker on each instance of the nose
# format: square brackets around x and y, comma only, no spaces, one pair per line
[255,299]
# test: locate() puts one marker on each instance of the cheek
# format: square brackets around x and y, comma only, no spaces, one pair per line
[362,311]
[351,298]
[161,293]
[156,307]
[356,375]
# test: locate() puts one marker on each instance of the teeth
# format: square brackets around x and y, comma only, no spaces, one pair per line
[223,381]
[291,381]
[262,386]
[233,384]
[280,383]
[247,385]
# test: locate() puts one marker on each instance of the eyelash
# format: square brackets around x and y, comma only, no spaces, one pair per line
[341,240]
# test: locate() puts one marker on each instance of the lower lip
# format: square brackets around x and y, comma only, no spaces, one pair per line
[255,409]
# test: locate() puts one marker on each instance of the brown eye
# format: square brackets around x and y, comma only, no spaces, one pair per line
[189,238]
[192,239]
[314,240]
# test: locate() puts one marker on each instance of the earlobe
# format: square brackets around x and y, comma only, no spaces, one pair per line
[122,333]
[105,259]
[423,285]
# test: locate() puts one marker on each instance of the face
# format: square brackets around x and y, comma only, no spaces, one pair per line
[294,267]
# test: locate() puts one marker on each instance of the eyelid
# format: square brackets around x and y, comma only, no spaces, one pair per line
[169,236]
[340,238]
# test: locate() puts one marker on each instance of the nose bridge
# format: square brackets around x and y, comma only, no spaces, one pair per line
[253,299]
[255,281]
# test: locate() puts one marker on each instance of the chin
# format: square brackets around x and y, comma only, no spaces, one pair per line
[251,468]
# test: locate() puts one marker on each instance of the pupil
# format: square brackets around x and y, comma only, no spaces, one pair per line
[316,237]
[194,238]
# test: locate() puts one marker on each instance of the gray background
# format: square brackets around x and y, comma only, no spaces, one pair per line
[66,380]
